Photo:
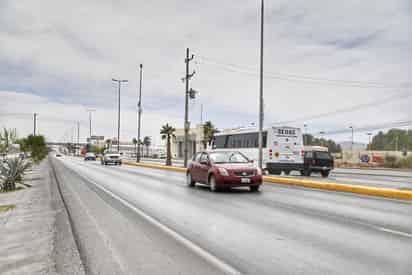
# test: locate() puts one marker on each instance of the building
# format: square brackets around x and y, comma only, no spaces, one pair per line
[96,140]
[195,142]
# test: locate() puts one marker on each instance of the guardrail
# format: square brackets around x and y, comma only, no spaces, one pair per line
[358,189]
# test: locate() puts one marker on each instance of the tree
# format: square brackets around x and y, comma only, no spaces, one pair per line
[35,145]
[310,140]
[134,140]
[7,138]
[209,132]
[147,141]
[392,140]
[167,132]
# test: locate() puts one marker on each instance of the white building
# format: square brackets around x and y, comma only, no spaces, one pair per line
[195,142]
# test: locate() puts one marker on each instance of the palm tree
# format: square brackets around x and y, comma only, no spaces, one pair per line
[209,131]
[147,141]
[167,132]
[134,140]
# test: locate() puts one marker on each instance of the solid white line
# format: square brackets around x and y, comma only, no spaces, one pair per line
[404,234]
[226,268]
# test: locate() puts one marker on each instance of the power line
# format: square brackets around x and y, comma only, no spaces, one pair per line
[369,127]
[394,97]
[303,78]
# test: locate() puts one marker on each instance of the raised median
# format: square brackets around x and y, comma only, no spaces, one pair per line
[358,189]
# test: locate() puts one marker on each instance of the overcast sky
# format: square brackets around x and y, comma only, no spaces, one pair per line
[57,58]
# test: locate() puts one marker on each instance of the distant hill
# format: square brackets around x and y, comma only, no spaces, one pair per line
[346,145]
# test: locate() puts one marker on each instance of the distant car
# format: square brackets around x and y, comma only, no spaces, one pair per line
[318,161]
[90,156]
[58,155]
[111,157]
[223,169]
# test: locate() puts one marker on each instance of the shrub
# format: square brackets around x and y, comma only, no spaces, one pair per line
[11,172]
[405,162]
[390,161]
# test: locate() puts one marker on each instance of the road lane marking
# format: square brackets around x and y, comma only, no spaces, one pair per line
[226,268]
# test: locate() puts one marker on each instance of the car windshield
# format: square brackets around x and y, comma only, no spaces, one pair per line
[228,157]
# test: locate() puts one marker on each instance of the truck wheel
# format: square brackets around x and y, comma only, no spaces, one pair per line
[324,174]
[275,172]
[287,172]
[306,173]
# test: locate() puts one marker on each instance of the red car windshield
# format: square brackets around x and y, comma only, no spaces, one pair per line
[228,157]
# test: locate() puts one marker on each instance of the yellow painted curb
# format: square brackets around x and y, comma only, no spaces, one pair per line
[359,189]
[155,166]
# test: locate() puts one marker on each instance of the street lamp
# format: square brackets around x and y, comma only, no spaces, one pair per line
[139,114]
[119,81]
[90,111]
[369,143]
[261,112]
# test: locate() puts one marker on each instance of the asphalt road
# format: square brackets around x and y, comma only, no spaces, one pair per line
[385,178]
[279,230]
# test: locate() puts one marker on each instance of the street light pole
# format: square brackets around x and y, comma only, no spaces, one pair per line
[305,140]
[119,81]
[351,146]
[261,112]
[369,143]
[139,113]
[90,111]
[34,123]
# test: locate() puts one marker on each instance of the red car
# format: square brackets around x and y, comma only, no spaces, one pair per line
[222,170]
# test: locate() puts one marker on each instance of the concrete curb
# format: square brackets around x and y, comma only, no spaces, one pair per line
[364,190]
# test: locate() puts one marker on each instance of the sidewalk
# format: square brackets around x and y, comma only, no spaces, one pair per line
[35,236]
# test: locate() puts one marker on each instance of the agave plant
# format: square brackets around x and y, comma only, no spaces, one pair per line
[11,172]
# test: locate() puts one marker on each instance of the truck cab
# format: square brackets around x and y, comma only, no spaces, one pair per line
[317,159]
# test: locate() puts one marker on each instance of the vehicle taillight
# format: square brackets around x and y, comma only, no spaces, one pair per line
[302,153]
[270,153]
[313,161]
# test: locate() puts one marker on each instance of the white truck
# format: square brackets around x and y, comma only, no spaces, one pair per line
[282,147]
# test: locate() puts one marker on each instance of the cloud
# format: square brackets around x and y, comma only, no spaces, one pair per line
[66,53]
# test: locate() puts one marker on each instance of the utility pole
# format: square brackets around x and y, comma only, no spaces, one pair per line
[201,114]
[351,145]
[34,123]
[90,111]
[139,114]
[396,143]
[119,81]
[261,111]
[305,135]
[78,135]
[369,143]
[187,94]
